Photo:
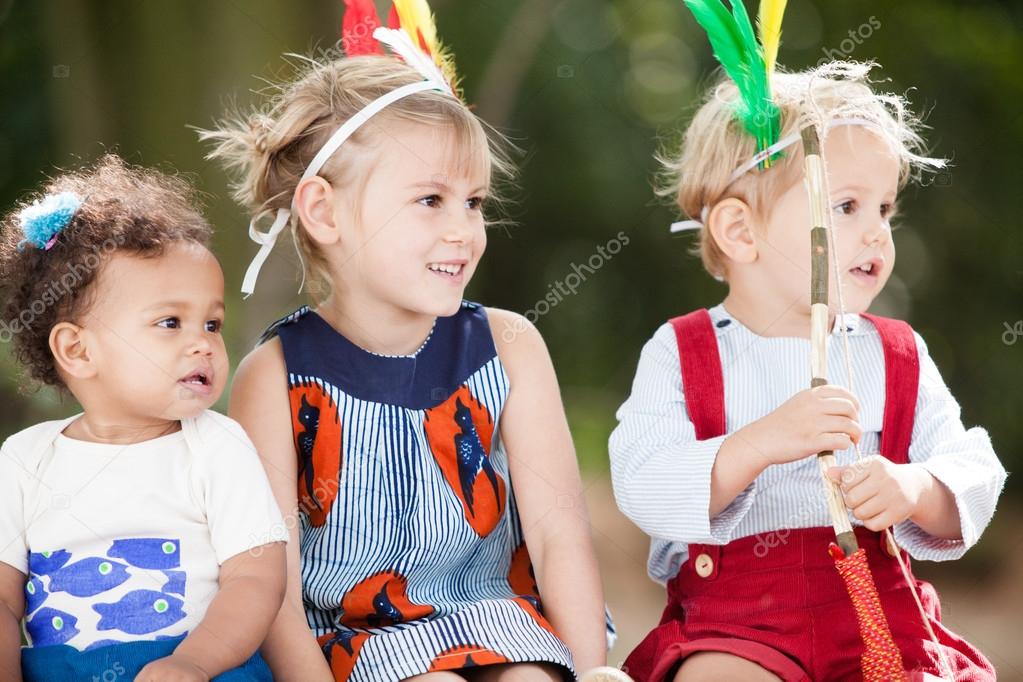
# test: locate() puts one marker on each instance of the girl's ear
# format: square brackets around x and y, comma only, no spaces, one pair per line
[731,224]
[314,203]
[70,351]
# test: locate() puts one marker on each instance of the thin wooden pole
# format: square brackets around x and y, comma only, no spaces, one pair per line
[814,178]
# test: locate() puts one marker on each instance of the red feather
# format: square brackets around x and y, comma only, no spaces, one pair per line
[357,28]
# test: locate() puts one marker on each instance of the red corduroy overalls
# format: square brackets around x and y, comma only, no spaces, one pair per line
[776,598]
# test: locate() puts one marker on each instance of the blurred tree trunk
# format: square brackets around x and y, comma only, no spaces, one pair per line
[511,59]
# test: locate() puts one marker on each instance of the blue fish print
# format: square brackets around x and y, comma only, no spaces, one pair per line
[148,552]
[45,563]
[35,594]
[175,582]
[89,577]
[50,626]
[140,612]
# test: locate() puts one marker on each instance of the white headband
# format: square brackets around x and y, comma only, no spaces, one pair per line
[757,158]
[402,45]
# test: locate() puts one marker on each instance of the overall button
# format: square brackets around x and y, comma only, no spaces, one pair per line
[704,565]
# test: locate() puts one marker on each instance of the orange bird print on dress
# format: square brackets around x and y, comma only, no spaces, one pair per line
[460,432]
[317,432]
[342,651]
[465,656]
[381,600]
[521,577]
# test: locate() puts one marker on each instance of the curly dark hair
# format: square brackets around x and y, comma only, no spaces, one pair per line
[124,209]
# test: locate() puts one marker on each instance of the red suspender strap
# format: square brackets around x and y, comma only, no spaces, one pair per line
[702,381]
[703,384]
[901,379]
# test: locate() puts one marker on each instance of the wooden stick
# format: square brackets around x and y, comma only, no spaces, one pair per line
[819,208]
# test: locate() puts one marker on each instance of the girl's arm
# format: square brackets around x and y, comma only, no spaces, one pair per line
[12,607]
[545,478]
[259,402]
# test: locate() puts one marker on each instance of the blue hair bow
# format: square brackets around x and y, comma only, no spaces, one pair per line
[42,221]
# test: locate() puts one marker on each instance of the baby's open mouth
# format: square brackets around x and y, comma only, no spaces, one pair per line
[199,381]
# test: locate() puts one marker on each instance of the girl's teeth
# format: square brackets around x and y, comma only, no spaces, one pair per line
[449,269]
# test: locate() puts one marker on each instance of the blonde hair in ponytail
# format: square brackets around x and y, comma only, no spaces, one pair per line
[268,149]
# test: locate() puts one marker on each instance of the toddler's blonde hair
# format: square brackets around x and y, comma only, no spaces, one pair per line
[715,144]
[268,149]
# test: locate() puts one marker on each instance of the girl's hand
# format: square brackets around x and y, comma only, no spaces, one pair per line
[812,421]
[172,669]
[881,493]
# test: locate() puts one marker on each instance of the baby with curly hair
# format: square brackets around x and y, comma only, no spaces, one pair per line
[139,536]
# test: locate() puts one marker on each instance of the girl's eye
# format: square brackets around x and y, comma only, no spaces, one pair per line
[846,207]
[887,210]
[474,204]
[431,201]
[214,326]
[169,323]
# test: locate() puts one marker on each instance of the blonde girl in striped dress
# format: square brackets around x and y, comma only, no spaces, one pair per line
[416,441]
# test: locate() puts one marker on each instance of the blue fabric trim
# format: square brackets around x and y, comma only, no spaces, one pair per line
[457,348]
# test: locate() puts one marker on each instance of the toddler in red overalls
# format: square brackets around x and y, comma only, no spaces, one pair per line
[714,453]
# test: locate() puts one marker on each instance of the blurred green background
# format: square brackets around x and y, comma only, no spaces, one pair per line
[589,90]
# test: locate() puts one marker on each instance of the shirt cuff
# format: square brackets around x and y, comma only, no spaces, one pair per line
[923,546]
[720,529]
[722,526]
[975,494]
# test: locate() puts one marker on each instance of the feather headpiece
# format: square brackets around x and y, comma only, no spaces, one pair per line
[411,34]
[748,63]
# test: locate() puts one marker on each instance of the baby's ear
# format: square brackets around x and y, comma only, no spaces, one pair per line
[314,203]
[731,224]
[70,351]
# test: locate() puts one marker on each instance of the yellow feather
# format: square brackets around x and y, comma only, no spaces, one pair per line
[769,25]
[417,20]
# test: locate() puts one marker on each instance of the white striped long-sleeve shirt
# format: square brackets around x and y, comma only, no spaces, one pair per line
[661,473]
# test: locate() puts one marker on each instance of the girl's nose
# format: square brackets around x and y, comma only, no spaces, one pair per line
[460,229]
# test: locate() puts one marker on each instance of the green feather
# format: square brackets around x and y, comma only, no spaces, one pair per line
[735,46]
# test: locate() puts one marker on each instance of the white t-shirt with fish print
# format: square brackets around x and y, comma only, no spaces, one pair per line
[124,542]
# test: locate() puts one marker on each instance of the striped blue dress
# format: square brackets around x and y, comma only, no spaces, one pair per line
[412,552]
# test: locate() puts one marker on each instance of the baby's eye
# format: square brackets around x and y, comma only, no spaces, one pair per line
[847,207]
[475,203]
[887,210]
[431,201]
[214,326]
[169,323]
